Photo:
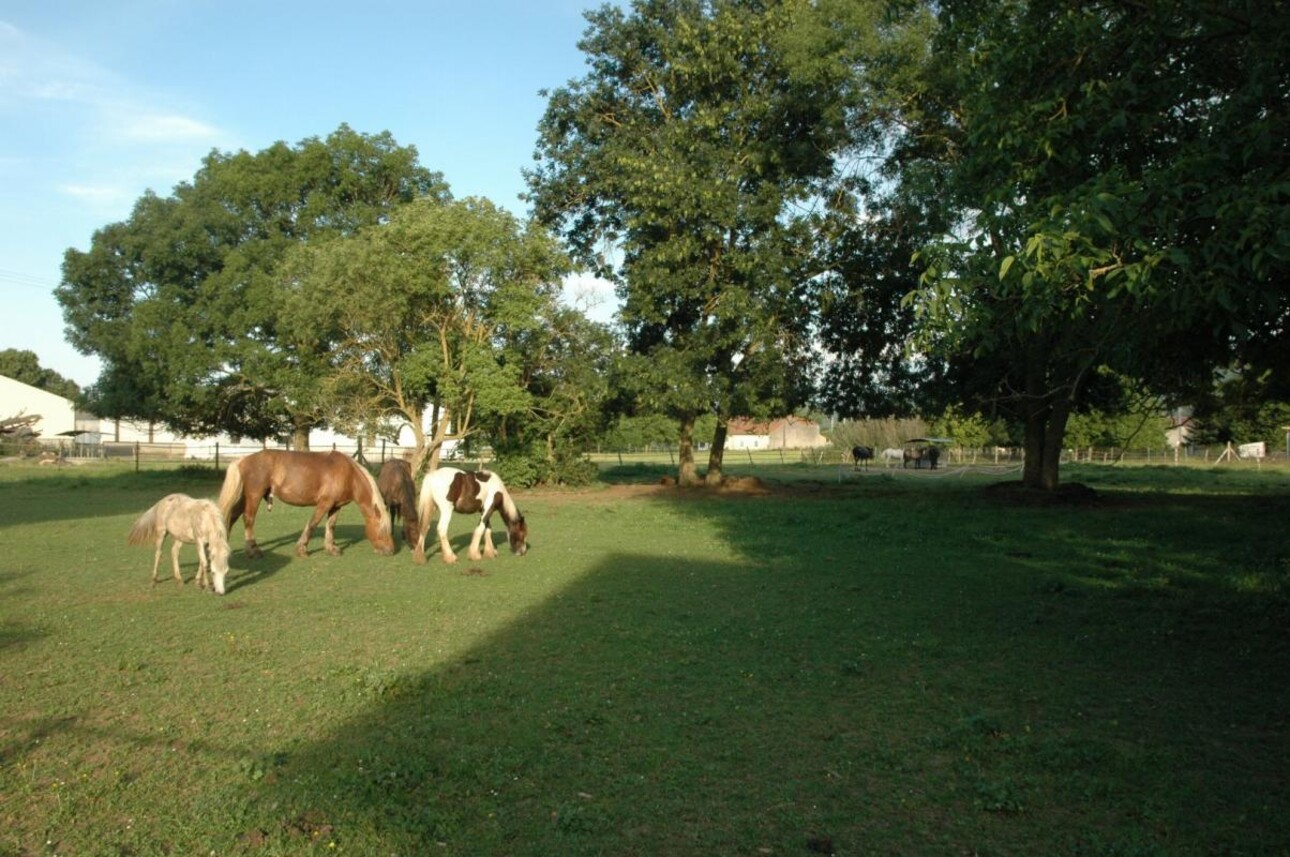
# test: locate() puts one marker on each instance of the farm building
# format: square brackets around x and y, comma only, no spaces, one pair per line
[784,433]
[58,416]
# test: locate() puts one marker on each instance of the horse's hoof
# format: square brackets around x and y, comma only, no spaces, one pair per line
[475,556]
[419,557]
[450,558]
[333,551]
[302,552]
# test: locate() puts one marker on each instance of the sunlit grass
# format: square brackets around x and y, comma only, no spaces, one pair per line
[856,663]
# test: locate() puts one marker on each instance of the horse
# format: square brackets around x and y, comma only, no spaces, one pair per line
[918,454]
[914,454]
[399,492]
[862,454]
[449,490]
[891,454]
[186,521]
[325,480]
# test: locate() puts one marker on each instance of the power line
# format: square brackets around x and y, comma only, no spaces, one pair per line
[26,281]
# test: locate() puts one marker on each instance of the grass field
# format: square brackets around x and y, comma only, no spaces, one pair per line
[877,663]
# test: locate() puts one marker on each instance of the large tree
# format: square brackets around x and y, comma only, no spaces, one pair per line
[693,148]
[1118,175]
[417,313]
[182,301]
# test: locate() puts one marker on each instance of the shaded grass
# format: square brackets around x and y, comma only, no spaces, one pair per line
[886,665]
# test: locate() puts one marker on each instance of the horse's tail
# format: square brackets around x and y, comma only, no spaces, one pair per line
[231,501]
[425,500]
[378,502]
[144,529]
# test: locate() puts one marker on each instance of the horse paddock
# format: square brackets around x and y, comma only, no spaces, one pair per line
[782,671]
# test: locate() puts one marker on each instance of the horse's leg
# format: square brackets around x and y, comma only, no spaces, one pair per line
[203,569]
[175,545]
[445,515]
[156,559]
[484,533]
[302,543]
[329,533]
[248,525]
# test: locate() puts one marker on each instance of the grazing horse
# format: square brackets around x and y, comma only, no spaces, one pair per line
[891,454]
[399,492]
[862,454]
[186,521]
[449,490]
[919,454]
[325,480]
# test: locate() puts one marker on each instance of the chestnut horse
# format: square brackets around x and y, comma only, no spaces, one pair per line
[399,492]
[449,490]
[324,480]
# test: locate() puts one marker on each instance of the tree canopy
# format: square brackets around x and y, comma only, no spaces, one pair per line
[422,311]
[694,148]
[182,301]
[1115,177]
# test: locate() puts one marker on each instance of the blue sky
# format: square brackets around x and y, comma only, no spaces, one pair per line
[101,101]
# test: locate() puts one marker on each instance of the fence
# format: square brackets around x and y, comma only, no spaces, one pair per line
[218,455]
[213,455]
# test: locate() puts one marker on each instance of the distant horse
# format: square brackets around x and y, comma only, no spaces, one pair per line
[325,480]
[449,490]
[861,454]
[186,521]
[399,492]
[892,453]
[919,454]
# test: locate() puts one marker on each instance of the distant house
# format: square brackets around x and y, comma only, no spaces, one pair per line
[784,433]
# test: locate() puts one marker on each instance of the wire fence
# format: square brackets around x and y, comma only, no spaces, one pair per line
[218,455]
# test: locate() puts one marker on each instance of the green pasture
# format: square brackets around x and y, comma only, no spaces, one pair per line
[843,663]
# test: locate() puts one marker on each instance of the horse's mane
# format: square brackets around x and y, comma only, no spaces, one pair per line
[510,512]
[213,524]
[382,511]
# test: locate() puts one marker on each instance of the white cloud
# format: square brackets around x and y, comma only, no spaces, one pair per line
[99,195]
[162,128]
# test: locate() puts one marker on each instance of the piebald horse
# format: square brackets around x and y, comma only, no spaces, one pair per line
[325,480]
[448,489]
[186,521]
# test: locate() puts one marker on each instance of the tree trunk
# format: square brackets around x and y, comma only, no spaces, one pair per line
[300,438]
[716,455]
[1045,433]
[687,475]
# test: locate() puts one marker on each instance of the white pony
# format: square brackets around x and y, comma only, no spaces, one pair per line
[891,453]
[449,490]
[186,521]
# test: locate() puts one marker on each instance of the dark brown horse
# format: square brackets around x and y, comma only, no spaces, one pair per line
[325,480]
[400,495]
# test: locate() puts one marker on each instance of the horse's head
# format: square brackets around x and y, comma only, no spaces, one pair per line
[219,564]
[377,527]
[517,532]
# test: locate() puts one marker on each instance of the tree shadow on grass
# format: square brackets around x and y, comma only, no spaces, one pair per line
[864,687]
